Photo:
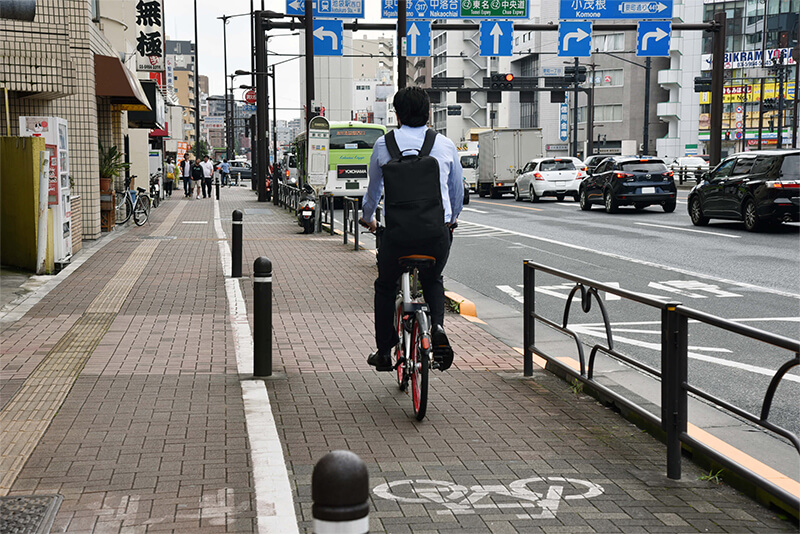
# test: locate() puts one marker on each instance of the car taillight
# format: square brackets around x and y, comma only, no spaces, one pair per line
[783,185]
[669,174]
[538,176]
[621,175]
[579,176]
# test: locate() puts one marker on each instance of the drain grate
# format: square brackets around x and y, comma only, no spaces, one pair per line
[28,515]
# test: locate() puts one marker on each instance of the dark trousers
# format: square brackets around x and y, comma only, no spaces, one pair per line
[168,187]
[187,186]
[206,183]
[389,272]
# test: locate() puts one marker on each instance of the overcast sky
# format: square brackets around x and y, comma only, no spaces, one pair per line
[179,22]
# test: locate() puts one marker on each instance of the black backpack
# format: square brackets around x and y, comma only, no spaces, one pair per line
[412,194]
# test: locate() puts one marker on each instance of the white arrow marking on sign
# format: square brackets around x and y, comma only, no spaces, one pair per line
[413,32]
[579,35]
[322,33]
[661,7]
[496,33]
[657,35]
[296,4]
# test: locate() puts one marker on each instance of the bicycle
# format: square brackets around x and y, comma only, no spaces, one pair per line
[155,189]
[139,208]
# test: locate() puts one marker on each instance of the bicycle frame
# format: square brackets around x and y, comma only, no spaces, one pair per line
[415,358]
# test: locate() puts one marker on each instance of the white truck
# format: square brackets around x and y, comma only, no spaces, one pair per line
[468,154]
[501,154]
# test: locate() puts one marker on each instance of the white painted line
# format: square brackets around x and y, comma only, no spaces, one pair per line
[640,262]
[274,502]
[568,204]
[513,293]
[689,230]
[579,329]
[473,210]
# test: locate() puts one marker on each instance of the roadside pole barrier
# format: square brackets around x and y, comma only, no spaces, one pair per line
[217,184]
[262,317]
[340,493]
[236,248]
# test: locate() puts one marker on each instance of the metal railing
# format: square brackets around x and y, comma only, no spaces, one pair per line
[350,220]
[675,387]
[688,173]
[326,210]
[288,196]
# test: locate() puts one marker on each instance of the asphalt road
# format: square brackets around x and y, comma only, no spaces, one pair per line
[720,269]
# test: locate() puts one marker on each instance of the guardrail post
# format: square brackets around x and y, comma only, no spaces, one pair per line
[340,492]
[674,356]
[356,226]
[216,183]
[262,317]
[236,245]
[528,325]
[345,220]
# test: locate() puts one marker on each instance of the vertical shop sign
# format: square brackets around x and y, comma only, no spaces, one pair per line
[150,35]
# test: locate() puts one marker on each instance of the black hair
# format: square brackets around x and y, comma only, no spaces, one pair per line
[412,105]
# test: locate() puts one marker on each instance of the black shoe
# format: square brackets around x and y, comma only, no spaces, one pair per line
[442,351]
[381,362]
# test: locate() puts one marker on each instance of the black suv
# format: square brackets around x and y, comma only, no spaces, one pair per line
[629,180]
[759,187]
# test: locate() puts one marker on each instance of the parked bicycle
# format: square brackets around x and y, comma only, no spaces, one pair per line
[155,188]
[134,203]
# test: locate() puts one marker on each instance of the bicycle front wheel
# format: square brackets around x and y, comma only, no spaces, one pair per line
[124,208]
[419,373]
[141,211]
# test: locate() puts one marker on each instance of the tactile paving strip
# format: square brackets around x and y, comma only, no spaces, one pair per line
[28,515]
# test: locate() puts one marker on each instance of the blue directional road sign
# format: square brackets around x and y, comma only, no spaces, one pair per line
[328,37]
[575,39]
[328,8]
[615,9]
[497,37]
[418,38]
[458,9]
[652,38]
[422,9]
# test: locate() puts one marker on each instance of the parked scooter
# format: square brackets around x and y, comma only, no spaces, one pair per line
[306,208]
[155,189]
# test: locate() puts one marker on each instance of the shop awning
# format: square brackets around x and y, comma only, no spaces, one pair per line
[115,80]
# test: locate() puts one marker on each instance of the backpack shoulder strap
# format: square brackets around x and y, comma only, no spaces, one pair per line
[430,138]
[391,146]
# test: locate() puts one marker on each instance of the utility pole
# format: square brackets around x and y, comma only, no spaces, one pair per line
[717,81]
[196,84]
[228,117]
[262,103]
[646,132]
[575,112]
[401,40]
[309,25]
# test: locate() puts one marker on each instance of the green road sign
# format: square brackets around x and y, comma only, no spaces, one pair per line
[494,8]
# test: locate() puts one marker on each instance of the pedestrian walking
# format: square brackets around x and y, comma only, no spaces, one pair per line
[168,183]
[208,173]
[225,171]
[186,175]
[197,177]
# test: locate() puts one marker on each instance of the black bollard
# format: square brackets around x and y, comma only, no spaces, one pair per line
[236,253]
[262,317]
[340,492]
[217,183]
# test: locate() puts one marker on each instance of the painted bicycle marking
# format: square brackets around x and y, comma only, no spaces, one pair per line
[458,499]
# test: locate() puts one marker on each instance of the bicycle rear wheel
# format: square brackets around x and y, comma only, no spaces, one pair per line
[124,208]
[141,211]
[419,374]
[399,350]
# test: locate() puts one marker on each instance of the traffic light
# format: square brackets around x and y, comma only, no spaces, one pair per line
[702,84]
[502,82]
[770,103]
[575,74]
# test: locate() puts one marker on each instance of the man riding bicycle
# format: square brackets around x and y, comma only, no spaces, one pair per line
[420,211]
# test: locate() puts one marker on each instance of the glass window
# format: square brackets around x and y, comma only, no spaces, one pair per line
[762,164]
[644,166]
[608,78]
[342,138]
[469,162]
[557,165]
[613,42]
[724,169]
[790,168]
[743,166]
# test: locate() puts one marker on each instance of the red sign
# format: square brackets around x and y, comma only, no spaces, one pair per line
[250,96]
[52,178]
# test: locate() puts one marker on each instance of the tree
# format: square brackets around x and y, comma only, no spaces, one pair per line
[200,149]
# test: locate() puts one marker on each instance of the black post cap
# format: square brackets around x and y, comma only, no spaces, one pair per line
[340,487]
[237,215]
[262,266]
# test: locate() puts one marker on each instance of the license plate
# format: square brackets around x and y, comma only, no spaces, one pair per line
[308,213]
[648,190]
[352,185]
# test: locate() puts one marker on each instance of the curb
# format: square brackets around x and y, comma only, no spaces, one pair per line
[465,306]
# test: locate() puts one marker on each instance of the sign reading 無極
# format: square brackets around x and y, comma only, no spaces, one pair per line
[149,35]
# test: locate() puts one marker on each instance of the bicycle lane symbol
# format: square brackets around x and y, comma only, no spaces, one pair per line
[458,499]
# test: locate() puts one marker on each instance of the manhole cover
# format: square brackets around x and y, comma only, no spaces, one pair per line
[159,237]
[28,515]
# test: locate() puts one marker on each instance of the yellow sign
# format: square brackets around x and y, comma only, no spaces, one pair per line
[732,94]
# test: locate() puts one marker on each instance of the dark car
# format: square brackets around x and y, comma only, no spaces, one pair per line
[629,180]
[593,161]
[760,187]
[242,169]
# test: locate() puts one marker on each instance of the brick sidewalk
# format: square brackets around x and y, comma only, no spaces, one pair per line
[150,434]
